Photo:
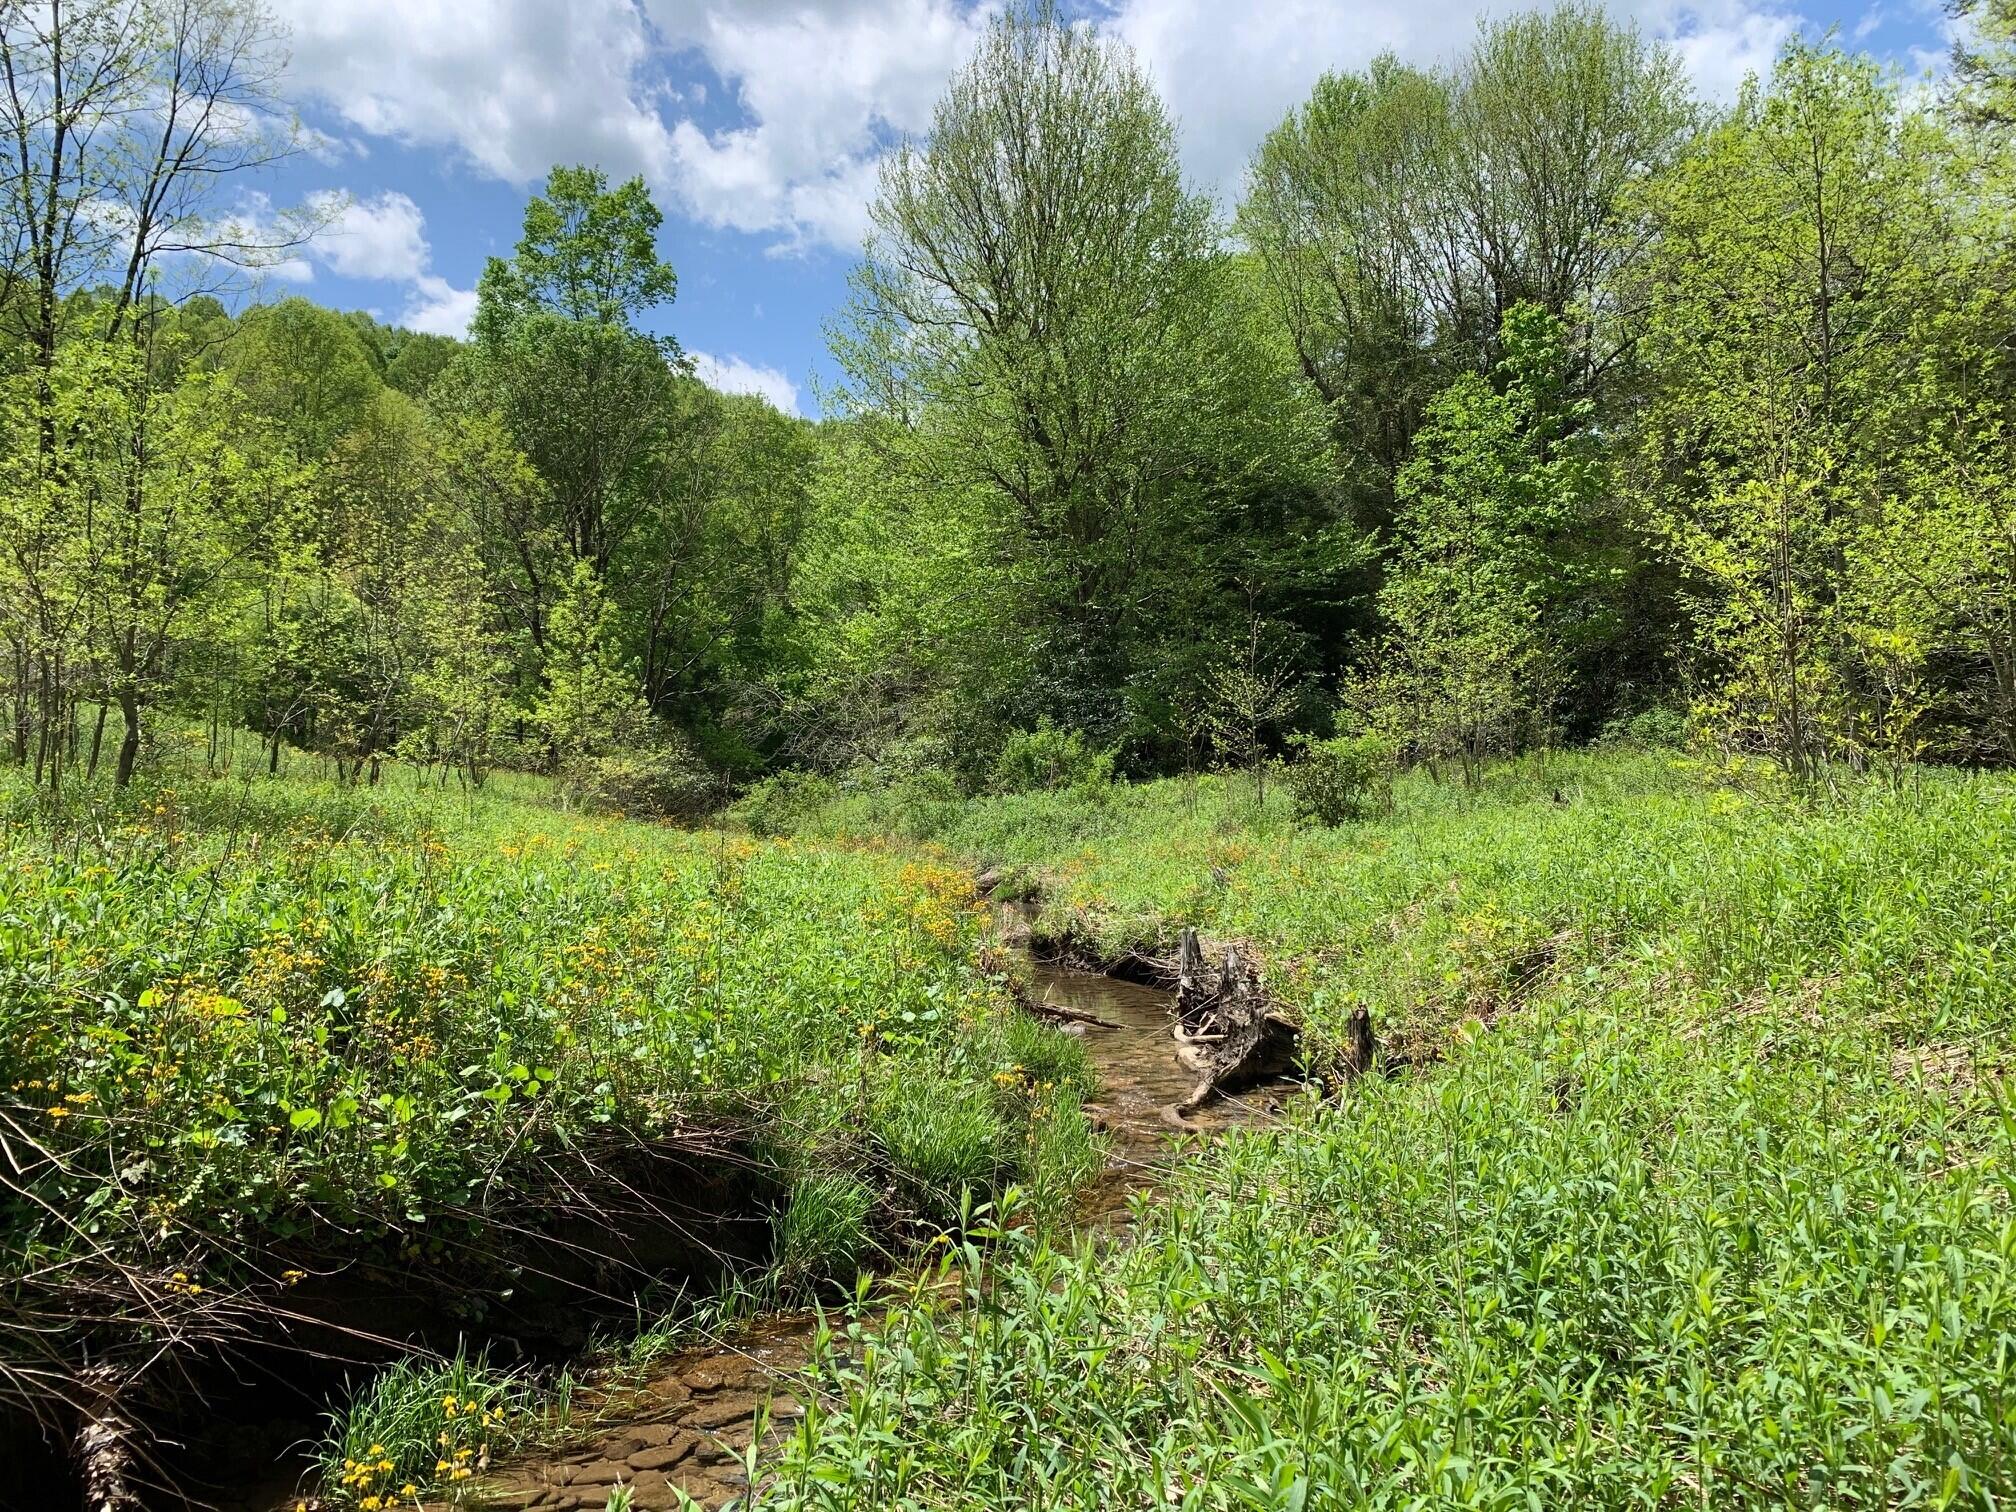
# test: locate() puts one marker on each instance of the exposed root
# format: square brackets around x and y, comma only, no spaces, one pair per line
[1225,1029]
[104,1444]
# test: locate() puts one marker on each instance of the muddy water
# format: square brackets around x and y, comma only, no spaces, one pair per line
[1140,1082]
[688,1425]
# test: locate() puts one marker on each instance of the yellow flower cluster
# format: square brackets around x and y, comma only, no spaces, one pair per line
[359,1474]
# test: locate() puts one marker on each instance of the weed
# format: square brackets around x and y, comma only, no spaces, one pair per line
[422,1426]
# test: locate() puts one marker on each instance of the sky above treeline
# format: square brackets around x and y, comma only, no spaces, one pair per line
[758,125]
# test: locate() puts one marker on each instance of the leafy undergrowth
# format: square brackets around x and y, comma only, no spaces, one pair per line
[250,1033]
[1460,905]
[1721,1216]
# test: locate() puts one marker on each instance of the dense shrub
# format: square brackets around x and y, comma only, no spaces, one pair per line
[775,805]
[664,780]
[1658,728]
[1344,778]
[1046,759]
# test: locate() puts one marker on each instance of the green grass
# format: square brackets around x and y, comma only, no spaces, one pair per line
[425,1426]
[1459,904]
[251,1032]
[1699,1188]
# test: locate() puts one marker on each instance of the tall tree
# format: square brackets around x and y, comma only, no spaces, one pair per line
[1400,215]
[1344,212]
[1500,556]
[1043,320]
[559,355]
[1984,60]
[121,120]
[1794,252]
[140,523]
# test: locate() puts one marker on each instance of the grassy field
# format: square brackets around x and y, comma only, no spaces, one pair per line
[254,1032]
[1690,1185]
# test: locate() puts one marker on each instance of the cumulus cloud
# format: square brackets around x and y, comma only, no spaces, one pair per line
[438,307]
[371,238]
[511,86]
[384,239]
[810,96]
[1231,73]
[734,375]
[823,90]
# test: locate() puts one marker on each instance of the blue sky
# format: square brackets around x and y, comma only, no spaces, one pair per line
[758,124]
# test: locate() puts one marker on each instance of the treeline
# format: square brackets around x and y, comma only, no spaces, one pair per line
[1530,397]
[547,546]
[1517,401]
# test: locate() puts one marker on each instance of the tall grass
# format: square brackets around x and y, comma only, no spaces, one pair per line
[251,1031]
[422,1427]
[1699,1187]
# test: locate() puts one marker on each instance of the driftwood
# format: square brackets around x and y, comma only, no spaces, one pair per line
[1225,1030]
[1069,1014]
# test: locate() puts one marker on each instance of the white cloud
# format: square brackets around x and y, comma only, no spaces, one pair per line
[1725,45]
[734,375]
[375,238]
[823,90]
[514,86]
[1230,73]
[438,307]
[384,240]
[814,90]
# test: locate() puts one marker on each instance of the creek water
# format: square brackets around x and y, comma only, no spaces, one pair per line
[687,1425]
[1140,1081]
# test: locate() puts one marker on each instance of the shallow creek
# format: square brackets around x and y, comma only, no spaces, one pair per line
[687,1426]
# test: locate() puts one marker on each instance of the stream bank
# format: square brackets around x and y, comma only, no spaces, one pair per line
[688,1428]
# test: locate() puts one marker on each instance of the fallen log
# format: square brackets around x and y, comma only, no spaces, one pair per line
[1069,1014]
[1225,1031]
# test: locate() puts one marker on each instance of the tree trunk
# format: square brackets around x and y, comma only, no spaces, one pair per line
[129,746]
[97,740]
[103,1447]
[1225,1031]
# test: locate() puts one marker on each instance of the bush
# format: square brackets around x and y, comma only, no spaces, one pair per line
[777,804]
[1343,778]
[1654,729]
[664,780]
[1045,759]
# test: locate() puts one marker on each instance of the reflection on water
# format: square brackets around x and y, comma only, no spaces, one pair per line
[1140,1080]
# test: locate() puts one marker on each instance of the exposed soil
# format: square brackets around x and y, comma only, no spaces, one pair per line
[689,1425]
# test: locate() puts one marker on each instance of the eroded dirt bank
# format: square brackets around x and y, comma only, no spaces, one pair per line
[690,1425]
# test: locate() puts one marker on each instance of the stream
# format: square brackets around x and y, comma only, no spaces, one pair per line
[686,1426]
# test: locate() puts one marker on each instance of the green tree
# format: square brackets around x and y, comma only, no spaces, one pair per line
[1794,251]
[1984,60]
[590,704]
[1341,204]
[557,356]
[1400,215]
[303,368]
[132,534]
[1048,345]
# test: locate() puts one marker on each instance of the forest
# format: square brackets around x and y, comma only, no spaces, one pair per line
[518,869]
[1516,401]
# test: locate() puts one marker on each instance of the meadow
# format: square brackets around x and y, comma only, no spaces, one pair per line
[268,1047]
[1687,1180]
